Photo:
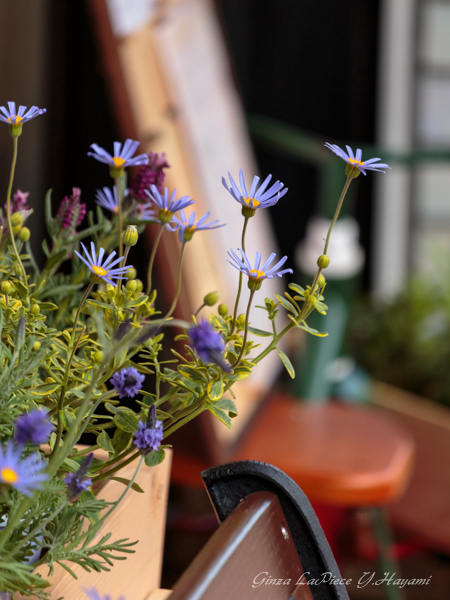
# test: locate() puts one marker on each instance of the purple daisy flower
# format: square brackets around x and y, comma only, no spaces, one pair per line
[33,427]
[127,382]
[149,435]
[255,198]
[144,212]
[103,269]
[187,226]
[108,199]
[122,155]
[355,160]
[79,482]
[25,475]
[167,206]
[92,594]
[19,117]
[208,344]
[256,273]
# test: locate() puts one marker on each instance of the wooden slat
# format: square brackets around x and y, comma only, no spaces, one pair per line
[252,545]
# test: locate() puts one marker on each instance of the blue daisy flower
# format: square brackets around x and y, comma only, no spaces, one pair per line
[33,427]
[355,160]
[103,268]
[19,117]
[145,212]
[122,155]
[257,273]
[107,198]
[255,198]
[25,475]
[187,226]
[167,206]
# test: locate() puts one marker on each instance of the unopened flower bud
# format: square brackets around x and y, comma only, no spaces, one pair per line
[130,237]
[321,281]
[16,219]
[132,285]
[323,261]
[35,309]
[36,345]
[110,288]
[97,356]
[222,310]
[17,270]
[24,234]
[139,285]
[6,287]
[211,298]
[240,321]
[131,273]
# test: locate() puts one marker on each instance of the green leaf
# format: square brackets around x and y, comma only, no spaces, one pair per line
[215,389]
[287,305]
[104,441]
[287,363]
[47,306]
[87,496]
[136,487]
[71,465]
[48,209]
[240,373]
[192,374]
[305,327]
[155,457]
[260,332]
[296,288]
[121,441]
[54,260]
[229,405]
[126,420]
[22,290]
[220,414]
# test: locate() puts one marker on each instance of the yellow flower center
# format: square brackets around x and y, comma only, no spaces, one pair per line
[99,271]
[14,119]
[9,475]
[118,162]
[356,163]
[255,202]
[115,210]
[254,274]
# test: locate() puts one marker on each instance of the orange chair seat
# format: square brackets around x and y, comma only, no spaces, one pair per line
[337,453]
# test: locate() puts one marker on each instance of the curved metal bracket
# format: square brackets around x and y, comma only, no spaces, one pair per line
[228,484]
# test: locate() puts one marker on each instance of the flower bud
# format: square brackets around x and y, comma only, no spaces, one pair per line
[17,270]
[131,273]
[323,261]
[36,345]
[222,310]
[24,234]
[35,309]
[97,356]
[6,287]
[109,288]
[16,219]
[132,285]
[130,237]
[321,281]
[139,285]
[211,298]
[240,321]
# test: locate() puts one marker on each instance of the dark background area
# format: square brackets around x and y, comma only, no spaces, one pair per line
[309,65]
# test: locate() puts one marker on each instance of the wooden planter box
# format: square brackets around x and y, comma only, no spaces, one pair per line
[424,508]
[139,517]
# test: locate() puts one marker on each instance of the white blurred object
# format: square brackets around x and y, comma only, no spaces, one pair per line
[346,254]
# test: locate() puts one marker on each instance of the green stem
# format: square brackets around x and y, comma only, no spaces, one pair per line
[109,472]
[13,520]
[8,209]
[77,316]
[119,215]
[184,421]
[89,531]
[233,322]
[244,341]
[177,293]
[152,259]
[199,309]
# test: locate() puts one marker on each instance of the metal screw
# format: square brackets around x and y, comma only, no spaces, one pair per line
[284,532]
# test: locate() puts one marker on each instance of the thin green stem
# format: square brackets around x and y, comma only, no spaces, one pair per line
[77,316]
[177,293]
[119,214]
[152,259]
[182,422]
[244,341]
[199,309]
[13,520]
[109,472]
[8,209]
[233,322]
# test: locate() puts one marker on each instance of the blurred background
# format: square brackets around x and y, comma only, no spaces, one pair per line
[373,74]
